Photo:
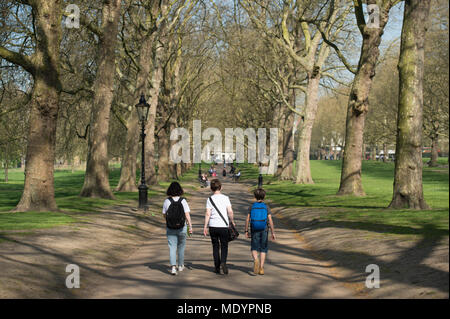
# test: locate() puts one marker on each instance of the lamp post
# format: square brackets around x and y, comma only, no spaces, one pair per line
[260,177]
[142,109]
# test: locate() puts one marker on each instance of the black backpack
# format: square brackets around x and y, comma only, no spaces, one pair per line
[175,216]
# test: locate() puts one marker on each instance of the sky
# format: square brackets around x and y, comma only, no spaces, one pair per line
[393,28]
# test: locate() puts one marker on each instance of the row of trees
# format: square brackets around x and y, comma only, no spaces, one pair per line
[82,84]
[279,54]
[70,92]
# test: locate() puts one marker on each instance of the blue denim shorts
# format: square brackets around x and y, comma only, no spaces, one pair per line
[260,241]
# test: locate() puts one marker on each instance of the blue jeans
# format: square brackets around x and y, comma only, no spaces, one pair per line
[260,241]
[177,243]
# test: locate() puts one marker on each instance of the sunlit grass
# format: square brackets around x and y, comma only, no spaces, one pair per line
[68,185]
[377,178]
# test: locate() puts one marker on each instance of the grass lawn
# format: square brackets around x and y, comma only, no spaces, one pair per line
[67,188]
[377,178]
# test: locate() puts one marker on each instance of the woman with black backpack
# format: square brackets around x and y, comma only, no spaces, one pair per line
[176,211]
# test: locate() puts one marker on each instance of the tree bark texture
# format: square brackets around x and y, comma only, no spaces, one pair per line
[408,189]
[96,180]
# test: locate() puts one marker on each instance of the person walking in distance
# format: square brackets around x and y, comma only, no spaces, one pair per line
[219,215]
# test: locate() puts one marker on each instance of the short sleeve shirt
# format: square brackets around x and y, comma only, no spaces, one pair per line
[222,202]
[175,198]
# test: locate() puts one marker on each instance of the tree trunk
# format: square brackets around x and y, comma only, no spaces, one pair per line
[385,153]
[287,171]
[357,109]
[150,162]
[305,127]
[278,116]
[6,171]
[173,168]
[408,188]
[96,180]
[174,104]
[434,150]
[39,192]
[127,182]
[163,160]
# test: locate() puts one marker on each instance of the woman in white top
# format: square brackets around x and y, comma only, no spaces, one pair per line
[177,237]
[218,228]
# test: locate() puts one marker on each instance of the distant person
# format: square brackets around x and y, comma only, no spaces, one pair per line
[232,169]
[204,180]
[207,182]
[176,211]
[224,172]
[259,219]
[219,215]
[237,176]
[214,173]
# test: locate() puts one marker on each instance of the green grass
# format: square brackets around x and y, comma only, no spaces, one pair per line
[440,161]
[377,178]
[68,185]
[32,220]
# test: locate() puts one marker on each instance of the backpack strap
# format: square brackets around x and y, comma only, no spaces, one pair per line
[212,202]
[178,201]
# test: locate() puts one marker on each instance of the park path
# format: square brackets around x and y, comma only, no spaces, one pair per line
[291,269]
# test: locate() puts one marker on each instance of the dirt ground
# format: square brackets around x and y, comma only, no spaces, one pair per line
[328,256]
[410,267]
[34,265]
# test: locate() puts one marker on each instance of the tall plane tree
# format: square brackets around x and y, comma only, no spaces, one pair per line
[43,65]
[153,20]
[358,104]
[408,189]
[96,180]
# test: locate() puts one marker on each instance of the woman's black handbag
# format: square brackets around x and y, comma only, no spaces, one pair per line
[232,231]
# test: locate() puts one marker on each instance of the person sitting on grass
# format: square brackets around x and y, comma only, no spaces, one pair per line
[259,219]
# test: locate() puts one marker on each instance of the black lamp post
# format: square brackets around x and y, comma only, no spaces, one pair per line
[142,108]
[260,177]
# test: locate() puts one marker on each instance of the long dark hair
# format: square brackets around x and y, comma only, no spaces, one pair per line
[175,189]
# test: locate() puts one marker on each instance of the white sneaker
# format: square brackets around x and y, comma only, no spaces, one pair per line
[174,270]
[181,268]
